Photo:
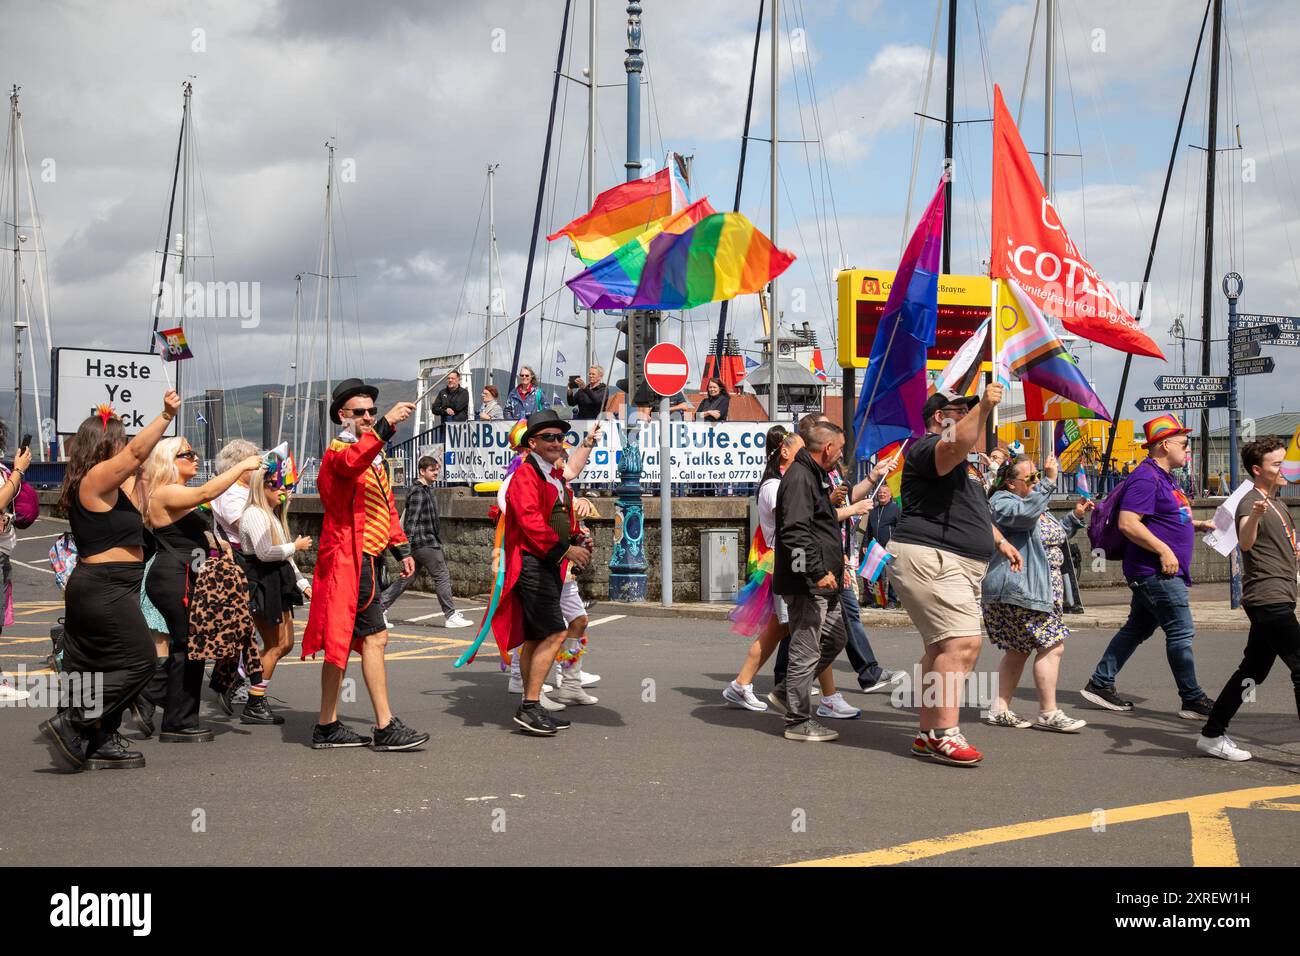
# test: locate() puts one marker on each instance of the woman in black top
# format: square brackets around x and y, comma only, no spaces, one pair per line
[713,407]
[105,632]
[181,532]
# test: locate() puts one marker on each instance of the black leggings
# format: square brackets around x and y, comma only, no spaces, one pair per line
[105,634]
[179,684]
[1274,633]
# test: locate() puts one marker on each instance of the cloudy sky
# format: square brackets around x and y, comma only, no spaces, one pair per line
[421,96]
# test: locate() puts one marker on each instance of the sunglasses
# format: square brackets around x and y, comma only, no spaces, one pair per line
[370,412]
[550,436]
[188,455]
[1030,478]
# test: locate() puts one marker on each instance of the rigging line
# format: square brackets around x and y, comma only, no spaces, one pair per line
[789,200]
[1029,57]
[650,87]
[1078,135]
[39,245]
[817,214]
[918,128]
[1283,152]
[819,126]
[984,57]
[469,261]
[336,196]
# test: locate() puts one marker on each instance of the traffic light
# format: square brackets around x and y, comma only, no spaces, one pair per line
[641,332]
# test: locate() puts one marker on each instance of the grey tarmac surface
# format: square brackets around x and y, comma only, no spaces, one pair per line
[660,771]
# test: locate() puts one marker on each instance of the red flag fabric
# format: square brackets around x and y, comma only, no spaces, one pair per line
[1030,245]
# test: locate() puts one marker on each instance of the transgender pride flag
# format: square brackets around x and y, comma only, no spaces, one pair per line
[874,561]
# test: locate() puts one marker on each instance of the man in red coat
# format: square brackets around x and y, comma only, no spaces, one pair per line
[360,524]
[537,546]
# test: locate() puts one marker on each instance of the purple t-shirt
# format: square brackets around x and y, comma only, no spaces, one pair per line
[1151,492]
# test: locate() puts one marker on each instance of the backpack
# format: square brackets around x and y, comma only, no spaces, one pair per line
[27,506]
[1103,532]
[63,558]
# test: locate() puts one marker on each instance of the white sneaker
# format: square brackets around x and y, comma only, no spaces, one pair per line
[1222,747]
[547,703]
[588,679]
[1057,721]
[456,619]
[516,685]
[742,695]
[836,706]
[8,692]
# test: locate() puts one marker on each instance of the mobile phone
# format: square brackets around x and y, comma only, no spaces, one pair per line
[27,441]
[575,381]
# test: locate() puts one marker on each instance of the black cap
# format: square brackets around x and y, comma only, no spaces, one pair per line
[348,388]
[942,399]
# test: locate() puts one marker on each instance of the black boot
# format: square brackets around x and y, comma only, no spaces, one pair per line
[258,711]
[143,712]
[66,744]
[113,755]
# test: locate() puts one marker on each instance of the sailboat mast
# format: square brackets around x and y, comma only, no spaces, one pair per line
[329,266]
[491,263]
[774,327]
[1049,144]
[591,156]
[1207,277]
[18,321]
[948,126]
[181,272]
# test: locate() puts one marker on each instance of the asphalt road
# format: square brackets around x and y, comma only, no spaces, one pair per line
[660,771]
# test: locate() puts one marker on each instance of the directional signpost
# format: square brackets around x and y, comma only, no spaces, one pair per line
[1285,323]
[1245,351]
[1258,333]
[1192,383]
[1254,366]
[1174,403]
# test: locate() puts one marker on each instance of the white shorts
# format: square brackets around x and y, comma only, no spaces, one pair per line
[571,605]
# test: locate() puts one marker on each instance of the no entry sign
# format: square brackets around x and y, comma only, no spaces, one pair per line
[666,369]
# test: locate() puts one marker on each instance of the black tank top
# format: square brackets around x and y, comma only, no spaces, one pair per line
[97,531]
[184,535]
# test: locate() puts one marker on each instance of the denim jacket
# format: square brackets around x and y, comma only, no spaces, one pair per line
[1017,519]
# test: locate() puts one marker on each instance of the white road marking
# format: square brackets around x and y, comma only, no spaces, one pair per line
[606,620]
[34,567]
[425,617]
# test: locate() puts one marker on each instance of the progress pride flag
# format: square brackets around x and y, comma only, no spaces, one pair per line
[1030,245]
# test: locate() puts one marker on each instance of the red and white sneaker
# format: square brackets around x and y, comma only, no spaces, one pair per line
[919,746]
[952,747]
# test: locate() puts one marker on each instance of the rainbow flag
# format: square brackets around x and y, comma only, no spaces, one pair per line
[1291,463]
[874,561]
[1031,350]
[719,256]
[622,213]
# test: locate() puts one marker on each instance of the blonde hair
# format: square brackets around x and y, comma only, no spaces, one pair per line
[160,469]
[277,513]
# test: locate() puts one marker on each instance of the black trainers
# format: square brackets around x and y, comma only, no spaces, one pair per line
[1105,697]
[65,744]
[229,697]
[258,711]
[397,736]
[535,721]
[112,754]
[559,722]
[329,736]
[189,735]
[143,712]
[1198,709]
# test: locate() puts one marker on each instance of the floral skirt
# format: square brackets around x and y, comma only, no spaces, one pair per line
[1014,628]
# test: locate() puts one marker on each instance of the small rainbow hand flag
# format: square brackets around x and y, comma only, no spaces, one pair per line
[874,561]
[172,345]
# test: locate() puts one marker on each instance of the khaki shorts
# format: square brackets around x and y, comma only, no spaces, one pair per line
[939,590]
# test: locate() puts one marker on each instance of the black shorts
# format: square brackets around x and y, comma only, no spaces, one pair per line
[538,589]
[370,609]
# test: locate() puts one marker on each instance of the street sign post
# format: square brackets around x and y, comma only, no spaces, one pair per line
[1291,339]
[1286,323]
[1253,366]
[1173,403]
[1258,333]
[1245,351]
[1192,383]
[666,372]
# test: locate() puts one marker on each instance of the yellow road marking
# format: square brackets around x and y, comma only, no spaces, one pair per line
[1212,840]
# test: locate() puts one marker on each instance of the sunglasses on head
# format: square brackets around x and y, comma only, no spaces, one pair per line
[190,455]
[550,436]
[363,412]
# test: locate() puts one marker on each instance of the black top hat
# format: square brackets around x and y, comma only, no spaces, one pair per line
[539,420]
[942,399]
[349,388]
